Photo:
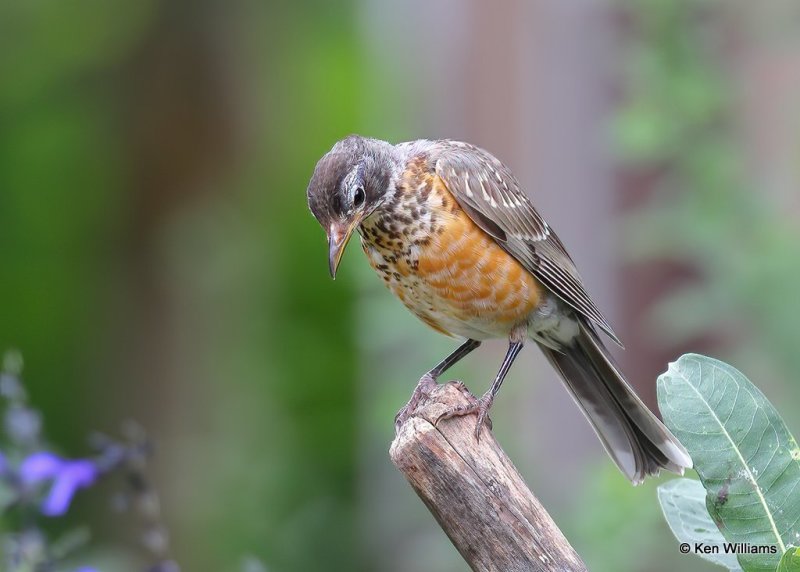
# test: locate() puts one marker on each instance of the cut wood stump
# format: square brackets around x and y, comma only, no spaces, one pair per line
[476,494]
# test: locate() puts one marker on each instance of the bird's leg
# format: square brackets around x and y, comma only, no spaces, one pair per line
[428,381]
[481,406]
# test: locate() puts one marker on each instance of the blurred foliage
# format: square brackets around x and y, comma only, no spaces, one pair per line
[625,516]
[677,127]
[311,507]
[90,220]
[38,485]
[679,124]
[61,182]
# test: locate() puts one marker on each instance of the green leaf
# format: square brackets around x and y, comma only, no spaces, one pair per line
[684,504]
[745,456]
[790,561]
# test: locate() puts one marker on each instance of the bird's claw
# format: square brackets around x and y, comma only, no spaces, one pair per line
[421,392]
[478,406]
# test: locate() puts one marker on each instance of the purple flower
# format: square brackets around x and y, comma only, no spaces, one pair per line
[67,475]
[85,569]
[39,467]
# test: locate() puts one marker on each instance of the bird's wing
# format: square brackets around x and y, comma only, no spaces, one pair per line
[490,194]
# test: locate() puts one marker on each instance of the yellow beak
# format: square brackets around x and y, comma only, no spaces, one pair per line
[338,237]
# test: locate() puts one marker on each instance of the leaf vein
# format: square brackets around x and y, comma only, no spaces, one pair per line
[752,479]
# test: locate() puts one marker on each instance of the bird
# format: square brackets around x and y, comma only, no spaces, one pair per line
[449,230]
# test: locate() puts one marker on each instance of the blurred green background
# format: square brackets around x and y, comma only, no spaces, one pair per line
[159,262]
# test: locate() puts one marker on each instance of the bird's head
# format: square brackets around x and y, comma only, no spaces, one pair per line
[349,183]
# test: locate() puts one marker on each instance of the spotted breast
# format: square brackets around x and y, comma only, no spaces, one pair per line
[427,250]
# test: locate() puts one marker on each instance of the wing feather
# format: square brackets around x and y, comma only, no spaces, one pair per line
[490,194]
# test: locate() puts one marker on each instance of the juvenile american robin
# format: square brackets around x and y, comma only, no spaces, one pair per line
[448,229]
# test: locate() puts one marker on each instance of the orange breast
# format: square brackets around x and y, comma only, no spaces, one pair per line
[443,267]
[474,279]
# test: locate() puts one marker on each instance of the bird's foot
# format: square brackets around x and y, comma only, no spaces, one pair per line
[479,406]
[421,392]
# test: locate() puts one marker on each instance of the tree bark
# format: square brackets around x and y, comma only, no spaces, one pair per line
[476,494]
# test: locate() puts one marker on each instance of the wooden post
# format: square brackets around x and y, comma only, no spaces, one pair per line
[476,493]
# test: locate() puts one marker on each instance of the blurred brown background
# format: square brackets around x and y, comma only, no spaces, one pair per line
[159,262]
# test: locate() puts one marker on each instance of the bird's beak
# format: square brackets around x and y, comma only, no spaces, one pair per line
[338,237]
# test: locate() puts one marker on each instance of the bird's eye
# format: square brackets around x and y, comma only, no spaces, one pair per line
[358,197]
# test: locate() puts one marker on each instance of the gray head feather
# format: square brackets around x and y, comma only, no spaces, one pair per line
[354,165]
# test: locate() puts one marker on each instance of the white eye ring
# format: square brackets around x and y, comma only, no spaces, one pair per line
[359,197]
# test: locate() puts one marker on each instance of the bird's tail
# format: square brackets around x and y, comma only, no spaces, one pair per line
[637,441]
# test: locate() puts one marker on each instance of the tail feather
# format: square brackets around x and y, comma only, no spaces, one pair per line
[635,439]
